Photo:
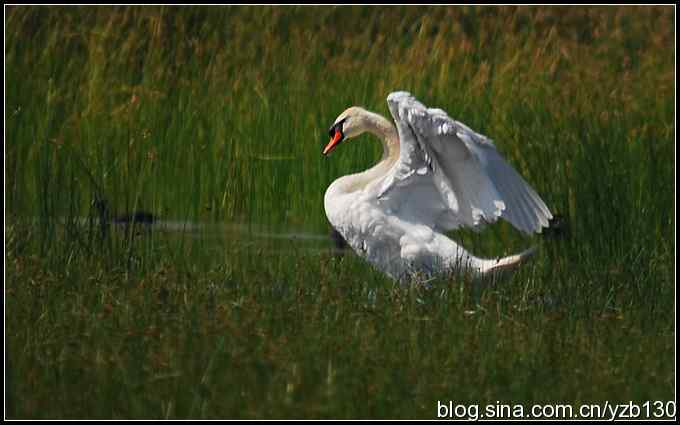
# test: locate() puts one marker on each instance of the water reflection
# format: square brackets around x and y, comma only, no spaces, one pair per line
[241,233]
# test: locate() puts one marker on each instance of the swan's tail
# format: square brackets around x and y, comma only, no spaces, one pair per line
[503,266]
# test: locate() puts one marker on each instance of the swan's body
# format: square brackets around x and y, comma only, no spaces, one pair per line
[435,175]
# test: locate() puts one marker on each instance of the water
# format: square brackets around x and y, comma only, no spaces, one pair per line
[245,234]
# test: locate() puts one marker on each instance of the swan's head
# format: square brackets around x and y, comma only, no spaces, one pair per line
[351,123]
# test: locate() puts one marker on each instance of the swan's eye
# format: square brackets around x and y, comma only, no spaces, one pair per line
[336,127]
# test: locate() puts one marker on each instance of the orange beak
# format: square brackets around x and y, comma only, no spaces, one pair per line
[337,138]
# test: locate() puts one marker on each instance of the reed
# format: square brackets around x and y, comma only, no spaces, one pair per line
[217,115]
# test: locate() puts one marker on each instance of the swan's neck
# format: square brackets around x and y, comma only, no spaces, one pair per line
[387,133]
[384,129]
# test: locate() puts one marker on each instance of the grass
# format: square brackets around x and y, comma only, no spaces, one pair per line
[218,114]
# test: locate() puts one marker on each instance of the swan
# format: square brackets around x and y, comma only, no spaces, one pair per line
[435,175]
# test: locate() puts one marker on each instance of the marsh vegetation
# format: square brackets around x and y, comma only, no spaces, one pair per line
[214,118]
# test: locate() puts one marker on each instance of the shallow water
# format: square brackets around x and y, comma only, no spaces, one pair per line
[228,233]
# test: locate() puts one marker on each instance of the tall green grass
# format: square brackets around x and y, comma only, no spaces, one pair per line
[219,114]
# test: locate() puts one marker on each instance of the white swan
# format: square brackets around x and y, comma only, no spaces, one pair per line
[435,175]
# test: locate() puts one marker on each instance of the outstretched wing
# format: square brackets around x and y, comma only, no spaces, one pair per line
[460,170]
